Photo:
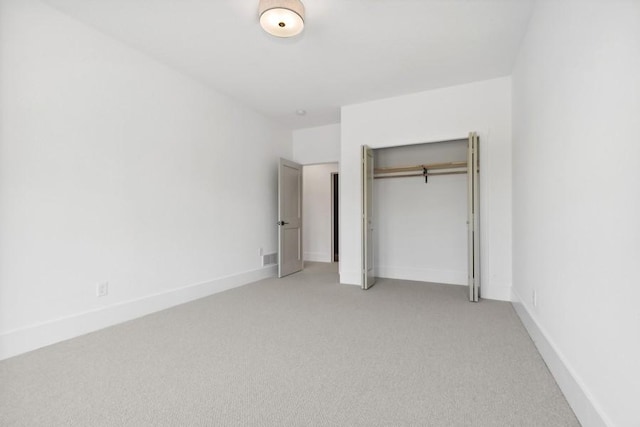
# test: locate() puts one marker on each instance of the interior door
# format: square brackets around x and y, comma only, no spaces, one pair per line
[289,218]
[473,216]
[368,278]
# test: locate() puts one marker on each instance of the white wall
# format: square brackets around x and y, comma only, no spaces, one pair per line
[316,188]
[115,168]
[421,228]
[317,145]
[437,115]
[576,205]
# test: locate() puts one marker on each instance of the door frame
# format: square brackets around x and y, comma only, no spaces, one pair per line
[367,221]
[473,216]
[330,184]
[335,197]
[477,218]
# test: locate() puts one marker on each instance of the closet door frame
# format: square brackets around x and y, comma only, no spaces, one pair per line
[368,272]
[473,216]
[473,210]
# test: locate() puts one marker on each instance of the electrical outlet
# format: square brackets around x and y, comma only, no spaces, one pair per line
[102,289]
[534,298]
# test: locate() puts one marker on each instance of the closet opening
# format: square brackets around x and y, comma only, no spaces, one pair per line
[421,213]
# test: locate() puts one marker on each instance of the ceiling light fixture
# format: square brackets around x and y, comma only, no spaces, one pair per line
[281,18]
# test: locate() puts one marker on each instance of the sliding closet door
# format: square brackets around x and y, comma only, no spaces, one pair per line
[368,279]
[473,216]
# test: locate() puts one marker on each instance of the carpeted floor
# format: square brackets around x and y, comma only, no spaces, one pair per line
[298,351]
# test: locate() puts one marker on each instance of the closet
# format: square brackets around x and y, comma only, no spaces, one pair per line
[420,213]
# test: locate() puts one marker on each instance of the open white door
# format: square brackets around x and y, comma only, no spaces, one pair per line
[368,279]
[290,218]
[473,218]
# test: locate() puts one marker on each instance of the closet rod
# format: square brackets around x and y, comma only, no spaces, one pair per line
[420,174]
[448,165]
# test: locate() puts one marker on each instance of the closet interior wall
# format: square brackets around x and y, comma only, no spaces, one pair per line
[421,228]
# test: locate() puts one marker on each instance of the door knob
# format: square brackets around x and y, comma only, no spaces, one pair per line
[282,223]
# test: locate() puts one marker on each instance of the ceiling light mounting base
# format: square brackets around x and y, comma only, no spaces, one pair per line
[281,18]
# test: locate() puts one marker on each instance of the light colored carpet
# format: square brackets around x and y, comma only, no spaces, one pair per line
[297,351]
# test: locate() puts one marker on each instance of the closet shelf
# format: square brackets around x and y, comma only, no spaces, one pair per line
[420,174]
[401,172]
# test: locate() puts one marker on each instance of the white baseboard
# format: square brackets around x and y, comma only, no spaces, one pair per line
[18,341]
[502,293]
[447,277]
[317,256]
[582,402]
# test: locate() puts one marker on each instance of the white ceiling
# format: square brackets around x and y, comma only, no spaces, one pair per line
[351,51]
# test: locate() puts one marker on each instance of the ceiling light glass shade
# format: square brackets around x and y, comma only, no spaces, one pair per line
[282,18]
